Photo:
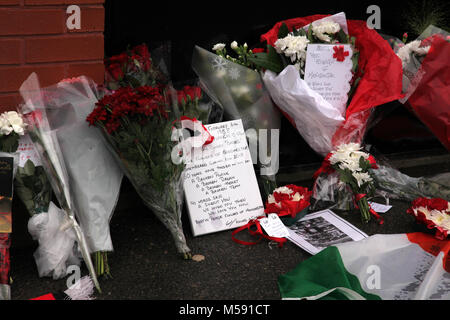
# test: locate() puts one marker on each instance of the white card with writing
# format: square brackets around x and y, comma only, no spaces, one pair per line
[328,71]
[220,183]
[380,208]
[273,226]
[27,151]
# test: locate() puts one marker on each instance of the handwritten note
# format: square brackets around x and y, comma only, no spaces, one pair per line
[220,184]
[327,75]
[27,151]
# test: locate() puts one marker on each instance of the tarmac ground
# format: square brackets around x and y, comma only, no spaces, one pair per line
[146,266]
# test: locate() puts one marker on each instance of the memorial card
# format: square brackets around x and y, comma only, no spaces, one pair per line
[328,71]
[220,183]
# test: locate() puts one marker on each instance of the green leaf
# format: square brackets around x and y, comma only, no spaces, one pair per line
[283,31]
[342,37]
[309,34]
[269,61]
[29,168]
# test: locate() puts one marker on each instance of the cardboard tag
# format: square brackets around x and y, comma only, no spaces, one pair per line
[273,226]
[380,208]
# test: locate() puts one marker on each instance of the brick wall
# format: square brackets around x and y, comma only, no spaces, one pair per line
[34,38]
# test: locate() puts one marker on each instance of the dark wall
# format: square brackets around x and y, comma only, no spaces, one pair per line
[191,23]
[195,23]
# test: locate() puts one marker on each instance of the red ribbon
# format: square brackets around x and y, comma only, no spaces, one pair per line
[258,233]
[358,197]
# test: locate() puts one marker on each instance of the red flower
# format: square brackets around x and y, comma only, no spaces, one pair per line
[372,162]
[258,50]
[286,205]
[339,53]
[192,92]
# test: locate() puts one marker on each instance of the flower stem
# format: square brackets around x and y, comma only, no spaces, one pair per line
[364,209]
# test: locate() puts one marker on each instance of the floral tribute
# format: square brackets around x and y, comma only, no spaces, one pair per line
[288,200]
[354,169]
[434,213]
[138,120]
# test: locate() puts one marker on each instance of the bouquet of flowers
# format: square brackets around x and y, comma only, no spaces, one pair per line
[353,168]
[434,213]
[425,79]
[58,229]
[375,69]
[134,68]
[289,202]
[137,123]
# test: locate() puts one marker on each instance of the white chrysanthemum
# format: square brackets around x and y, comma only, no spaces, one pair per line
[440,219]
[218,46]
[349,147]
[404,53]
[362,177]
[350,164]
[284,189]
[293,47]
[297,197]
[322,30]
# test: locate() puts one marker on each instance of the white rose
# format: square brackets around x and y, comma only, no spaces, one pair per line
[218,46]
[234,45]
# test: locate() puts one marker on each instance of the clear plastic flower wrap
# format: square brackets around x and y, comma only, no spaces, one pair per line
[94,175]
[240,91]
[46,143]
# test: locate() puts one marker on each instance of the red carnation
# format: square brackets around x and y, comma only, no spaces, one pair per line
[339,53]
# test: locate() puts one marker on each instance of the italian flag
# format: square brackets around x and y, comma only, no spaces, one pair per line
[413,266]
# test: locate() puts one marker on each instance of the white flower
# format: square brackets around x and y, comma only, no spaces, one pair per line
[348,147]
[439,218]
[350,164]
[293,47]
[11,121]
[297,197]
[325,28]
[234,45]
[218,46]
[284,189]
[404,53]
[362,177]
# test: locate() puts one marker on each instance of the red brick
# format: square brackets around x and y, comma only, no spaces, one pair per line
[10,51]
[56,2]
[31,21]
[9,2]
[93,70]
[9,101]
[64,48]
[92,19]
[84,1]
[11,78]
